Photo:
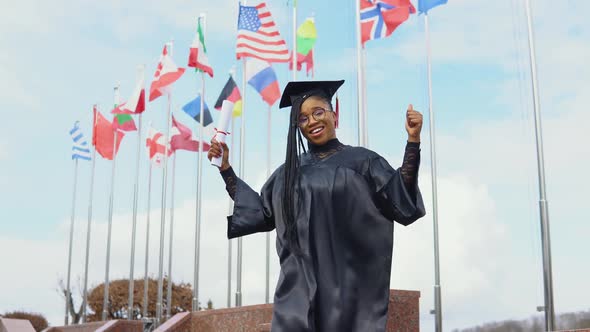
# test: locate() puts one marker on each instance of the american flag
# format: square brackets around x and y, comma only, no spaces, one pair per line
[258,36]
[379,18]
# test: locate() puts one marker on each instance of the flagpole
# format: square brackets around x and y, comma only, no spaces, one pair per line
[130,314]
[241,175]
[169,290]
[201,127]
[89,225]
[437,289]
[163,212]
[232,73]
[294,52]
[68,291]
[147,246]
[364,93]
[229,242]
[105,301]
[312,67]
[543,203]
[268,171]
[360,54]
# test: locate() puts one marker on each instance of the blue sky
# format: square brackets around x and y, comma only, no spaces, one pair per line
[61,57]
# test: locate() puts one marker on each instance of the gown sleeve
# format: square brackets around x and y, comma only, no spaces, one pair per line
[252,211]
[396,191]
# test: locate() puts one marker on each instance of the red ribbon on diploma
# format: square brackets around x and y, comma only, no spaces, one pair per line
[217,131]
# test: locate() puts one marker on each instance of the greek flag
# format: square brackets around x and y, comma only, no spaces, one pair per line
[80,149]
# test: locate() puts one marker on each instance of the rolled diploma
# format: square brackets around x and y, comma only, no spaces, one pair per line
[222,128]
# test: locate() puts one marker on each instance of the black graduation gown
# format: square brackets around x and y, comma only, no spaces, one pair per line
[348,201]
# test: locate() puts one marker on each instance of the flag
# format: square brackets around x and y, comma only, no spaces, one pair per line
[156,148]
[425,5]
[379,18]
[123,122]
[181,138]
[166,74]
[104,135]
[306,36]
[232,93]
[198,53]
[136,103]
[304,59]
[80,149]
[193,109]
[262,77]
[258,36]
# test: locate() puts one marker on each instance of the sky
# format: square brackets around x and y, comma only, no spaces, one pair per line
[61,57]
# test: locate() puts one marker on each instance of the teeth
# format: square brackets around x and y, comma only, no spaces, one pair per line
[317,130]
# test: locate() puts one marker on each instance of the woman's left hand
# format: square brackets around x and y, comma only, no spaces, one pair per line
[413,124]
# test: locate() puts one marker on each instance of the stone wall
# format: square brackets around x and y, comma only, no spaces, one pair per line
[403,315]
[108,326]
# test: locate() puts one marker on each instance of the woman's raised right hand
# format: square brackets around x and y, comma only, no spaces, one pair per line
[216,151]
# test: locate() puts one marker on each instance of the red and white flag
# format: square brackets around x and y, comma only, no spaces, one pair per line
[181,138]
[166,74]
[136,103]
[303,59]
[198,53]
[156,148]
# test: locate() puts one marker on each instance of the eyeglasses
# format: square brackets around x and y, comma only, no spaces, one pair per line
[318,114]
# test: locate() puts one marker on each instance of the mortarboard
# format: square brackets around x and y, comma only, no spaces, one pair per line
[304,89]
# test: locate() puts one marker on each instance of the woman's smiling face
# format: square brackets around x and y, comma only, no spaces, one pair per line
[317,121]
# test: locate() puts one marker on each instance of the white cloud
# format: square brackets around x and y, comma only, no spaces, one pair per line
[126,20]
[31,17]
[489,224]
[15,91]
[475,257]
[479,32]
[39,278]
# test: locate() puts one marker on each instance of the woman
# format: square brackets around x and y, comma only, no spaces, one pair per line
[332,207]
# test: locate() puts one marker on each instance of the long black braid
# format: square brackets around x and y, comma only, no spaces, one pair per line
[291,180]
[295,146]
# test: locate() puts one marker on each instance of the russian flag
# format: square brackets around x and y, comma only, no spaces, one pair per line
[262,77]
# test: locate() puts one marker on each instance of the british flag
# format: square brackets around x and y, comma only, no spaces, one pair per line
[379,18]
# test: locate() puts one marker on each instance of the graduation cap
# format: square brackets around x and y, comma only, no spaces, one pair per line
[305,89]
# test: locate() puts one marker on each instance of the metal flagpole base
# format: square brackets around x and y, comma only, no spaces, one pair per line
[195,304]
[438,309]
[158,313]
[238,299]
[229,261]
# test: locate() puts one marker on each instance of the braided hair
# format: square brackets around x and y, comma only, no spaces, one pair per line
[291,170]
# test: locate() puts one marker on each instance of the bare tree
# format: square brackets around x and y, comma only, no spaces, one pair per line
[566,321]
[75,316]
